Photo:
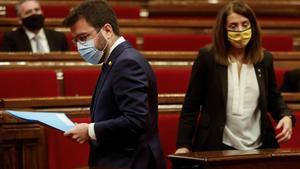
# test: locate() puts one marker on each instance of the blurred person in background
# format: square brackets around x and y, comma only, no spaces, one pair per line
[32,36]
[291,81]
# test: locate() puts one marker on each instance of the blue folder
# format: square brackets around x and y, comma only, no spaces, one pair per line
[56,120]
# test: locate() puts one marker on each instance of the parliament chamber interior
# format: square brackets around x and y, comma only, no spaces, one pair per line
[168,33]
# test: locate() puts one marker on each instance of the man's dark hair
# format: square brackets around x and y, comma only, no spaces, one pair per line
[97,13]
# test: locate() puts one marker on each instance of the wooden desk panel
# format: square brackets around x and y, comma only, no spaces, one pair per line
[63,60]
[236,159]
[81,103]
[22,145]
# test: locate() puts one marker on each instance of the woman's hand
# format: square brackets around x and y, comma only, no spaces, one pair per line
[286,133]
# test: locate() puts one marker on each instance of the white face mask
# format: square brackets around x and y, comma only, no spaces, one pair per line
[89,52]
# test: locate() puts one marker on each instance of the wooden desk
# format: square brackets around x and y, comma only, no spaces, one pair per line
[25,143]
[63,60]
[73,104]
[174,26]
[236,159]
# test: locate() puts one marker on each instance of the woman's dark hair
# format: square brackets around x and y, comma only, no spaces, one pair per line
[221,44]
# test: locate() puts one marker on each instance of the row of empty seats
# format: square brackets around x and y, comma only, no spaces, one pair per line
[76,82]
[81,82]
[61,10]
[187,42]
[61,148]
[192,42]
[165,9]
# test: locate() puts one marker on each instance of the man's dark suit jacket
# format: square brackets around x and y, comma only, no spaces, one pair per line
[124,110]
[207,93]
[291,81]
[17,41]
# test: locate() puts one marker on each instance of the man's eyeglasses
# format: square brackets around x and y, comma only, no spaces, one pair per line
[82,38]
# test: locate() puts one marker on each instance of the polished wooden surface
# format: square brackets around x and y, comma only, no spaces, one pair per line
[149,55]
[81,103]
[76,101]
[190,7]
[22,146]
[204,8]
[63,60]
[157,25]
[237,159]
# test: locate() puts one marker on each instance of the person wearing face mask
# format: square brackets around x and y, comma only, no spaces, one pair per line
[231,90]
[123,132]
[32,36]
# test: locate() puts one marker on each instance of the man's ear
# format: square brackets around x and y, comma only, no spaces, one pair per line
[108,29]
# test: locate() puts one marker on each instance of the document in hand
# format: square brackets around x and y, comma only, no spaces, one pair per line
[56,120]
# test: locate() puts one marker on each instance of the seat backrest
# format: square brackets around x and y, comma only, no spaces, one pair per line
[10,11]
[175,42]
[1,39]
[131,38]
[167,127]
[279,74]
[277,42]
[71,45]
[172,79]
[63,153]
[80,82]
[50,10]
[127,12]
[61,10]
[28,83]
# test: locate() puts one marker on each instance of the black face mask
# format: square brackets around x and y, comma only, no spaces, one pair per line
[33,22]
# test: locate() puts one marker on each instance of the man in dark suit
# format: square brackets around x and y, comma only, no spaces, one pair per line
[124,112]
[31,36]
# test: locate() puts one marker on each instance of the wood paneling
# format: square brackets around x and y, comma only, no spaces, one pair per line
[23,144]
[61,60]
[236,159]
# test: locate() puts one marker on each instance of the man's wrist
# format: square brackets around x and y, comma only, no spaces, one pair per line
[91,131]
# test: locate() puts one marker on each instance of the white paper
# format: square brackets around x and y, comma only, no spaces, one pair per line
[56,120]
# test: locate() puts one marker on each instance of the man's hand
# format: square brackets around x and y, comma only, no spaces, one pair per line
[79,133]
[286,133]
